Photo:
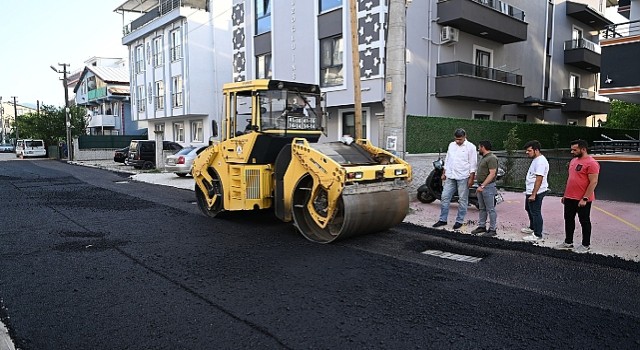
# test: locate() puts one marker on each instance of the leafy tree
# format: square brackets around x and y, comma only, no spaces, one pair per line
[50,124]
[510,145]
[624,115]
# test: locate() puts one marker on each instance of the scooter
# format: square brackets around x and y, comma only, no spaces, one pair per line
[432,188]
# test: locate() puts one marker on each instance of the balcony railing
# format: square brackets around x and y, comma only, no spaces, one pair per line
[97,93]
[621,30]
[502,7]
[462,68]
[582,44]
[162,9]
[579,93]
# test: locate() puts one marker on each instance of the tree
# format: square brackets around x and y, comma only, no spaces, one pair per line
[624,115]
[49,124]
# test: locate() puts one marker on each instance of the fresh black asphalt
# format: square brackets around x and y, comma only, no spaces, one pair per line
[91,260]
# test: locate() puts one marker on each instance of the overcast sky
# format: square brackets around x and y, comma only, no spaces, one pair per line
[40,33]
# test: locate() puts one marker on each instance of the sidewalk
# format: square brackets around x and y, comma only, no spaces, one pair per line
[616,225]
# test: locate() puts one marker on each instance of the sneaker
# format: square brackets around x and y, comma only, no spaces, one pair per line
[581,249]
[457,226]
[478,230]
[439,223]
[490,233]
[526,230]
[564,245]
[532,238]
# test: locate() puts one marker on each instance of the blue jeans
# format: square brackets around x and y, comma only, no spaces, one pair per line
[534,210]
[448,190]
[487,205]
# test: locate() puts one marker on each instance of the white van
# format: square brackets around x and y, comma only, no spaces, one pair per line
[30,148]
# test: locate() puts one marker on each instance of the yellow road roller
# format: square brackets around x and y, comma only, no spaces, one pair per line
[269,157]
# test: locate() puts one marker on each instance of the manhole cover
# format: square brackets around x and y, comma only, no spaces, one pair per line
[452,256]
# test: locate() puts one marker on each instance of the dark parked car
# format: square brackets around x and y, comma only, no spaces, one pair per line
[142,153]
[121,155]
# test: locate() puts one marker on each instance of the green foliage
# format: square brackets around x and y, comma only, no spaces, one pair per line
[623,115]
[431,134]
[49,124]
[511,146]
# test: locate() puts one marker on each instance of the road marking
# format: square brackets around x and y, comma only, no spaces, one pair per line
[452,256]
[635,227]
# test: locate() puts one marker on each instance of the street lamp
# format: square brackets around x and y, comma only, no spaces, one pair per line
[66,106]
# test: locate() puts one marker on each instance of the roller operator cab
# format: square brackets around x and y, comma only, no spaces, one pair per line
[269,158]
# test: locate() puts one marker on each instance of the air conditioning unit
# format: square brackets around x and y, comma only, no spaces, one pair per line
[448,35]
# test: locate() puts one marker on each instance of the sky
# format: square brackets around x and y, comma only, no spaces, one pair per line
[41,33]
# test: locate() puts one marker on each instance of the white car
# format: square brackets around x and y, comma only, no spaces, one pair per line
[6,148]
[30,148]
[181,162]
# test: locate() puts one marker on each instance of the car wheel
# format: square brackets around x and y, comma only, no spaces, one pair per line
[181,174]
[148,165]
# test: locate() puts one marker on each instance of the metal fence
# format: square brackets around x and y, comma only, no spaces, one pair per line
[516,167]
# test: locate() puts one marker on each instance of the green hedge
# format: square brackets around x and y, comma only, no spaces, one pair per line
[107,141]
[431,134]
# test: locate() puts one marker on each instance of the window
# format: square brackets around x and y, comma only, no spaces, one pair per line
[141,101]
[158,57]
[263,16]
[178,132]
[139,59]
[326,5]
[481,115]
[349,124]
[176,45]
[331,73]
[574,85]
[515,117]
[483,62]
[176,91]
[197,131]
[263,69]
[159,100]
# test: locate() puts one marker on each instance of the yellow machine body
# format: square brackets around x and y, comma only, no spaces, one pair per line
[330,190]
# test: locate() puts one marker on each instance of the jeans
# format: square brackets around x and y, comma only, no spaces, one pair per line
[571,208]
[487,205]
[448,190]
[534,210]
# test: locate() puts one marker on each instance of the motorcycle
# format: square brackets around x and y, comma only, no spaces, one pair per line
[432,188]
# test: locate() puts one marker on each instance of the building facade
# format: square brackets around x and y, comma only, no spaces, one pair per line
[103,89]
[180,55]
[8,118]
[620,78]
[518,60]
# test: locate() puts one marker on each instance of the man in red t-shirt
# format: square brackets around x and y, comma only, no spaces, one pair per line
[578,195]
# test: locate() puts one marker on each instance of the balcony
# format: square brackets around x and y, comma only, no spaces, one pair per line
[102,121]
[466,81]
[583,101]
[160,11]
[583,54]
[98,93]
[490,19]
[620,71]
[587,15]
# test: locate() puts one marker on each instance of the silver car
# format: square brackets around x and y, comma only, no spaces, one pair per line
[181,162]
[6,148]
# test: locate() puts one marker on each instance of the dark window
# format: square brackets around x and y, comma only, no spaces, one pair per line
[331,54]
[349,124]
[263,16]
[263,66]
[481,116]
[515,117]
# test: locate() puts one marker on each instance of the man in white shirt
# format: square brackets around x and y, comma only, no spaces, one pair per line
[536,188]
[458,173]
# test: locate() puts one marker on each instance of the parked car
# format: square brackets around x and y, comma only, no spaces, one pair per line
[182,162]
[7,148]
[121,154]
[30,148]
[142,153]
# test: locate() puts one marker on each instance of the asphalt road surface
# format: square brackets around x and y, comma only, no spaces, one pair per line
[91,260]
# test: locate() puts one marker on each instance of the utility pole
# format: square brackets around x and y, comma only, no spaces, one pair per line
[395,78]
[67,117]
[355,61]
[15,115]
[2,119]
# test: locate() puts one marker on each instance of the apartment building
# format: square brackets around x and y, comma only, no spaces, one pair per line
[620,77]
[180,55]
[518,60]
[8,114]
[102,87]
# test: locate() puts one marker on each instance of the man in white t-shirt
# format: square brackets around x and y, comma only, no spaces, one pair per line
[536,185]
[458,174]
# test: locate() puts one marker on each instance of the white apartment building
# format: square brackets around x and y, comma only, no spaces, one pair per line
[517,60]
[180,55]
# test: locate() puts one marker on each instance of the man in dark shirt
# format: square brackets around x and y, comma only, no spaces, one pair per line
[486,175]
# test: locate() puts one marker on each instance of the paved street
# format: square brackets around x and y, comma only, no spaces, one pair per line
[91,259]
